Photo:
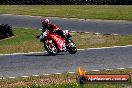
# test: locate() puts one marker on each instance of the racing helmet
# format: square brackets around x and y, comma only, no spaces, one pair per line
[45,22]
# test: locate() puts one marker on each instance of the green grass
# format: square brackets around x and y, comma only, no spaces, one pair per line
[25,41]
[114,12]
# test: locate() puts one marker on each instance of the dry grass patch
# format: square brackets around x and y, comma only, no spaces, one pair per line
[92,40]
[47,80]
[61,80]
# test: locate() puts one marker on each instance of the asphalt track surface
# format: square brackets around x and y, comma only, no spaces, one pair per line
[38,64]
[123,28]
[42,63]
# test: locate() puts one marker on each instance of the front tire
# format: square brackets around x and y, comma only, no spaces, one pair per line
[72,49]
[51,49]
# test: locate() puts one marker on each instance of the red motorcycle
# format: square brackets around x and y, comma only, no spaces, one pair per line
[54,43]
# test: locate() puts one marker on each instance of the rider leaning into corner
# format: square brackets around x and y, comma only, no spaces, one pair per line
[52,28]
[46,25]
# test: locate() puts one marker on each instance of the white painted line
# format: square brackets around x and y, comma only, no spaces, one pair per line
[72,31]
[11,77]
[21,53]
[77,49]
[115,34]
[58,73]
[13,54]
[99,48]
[110,47]
[46,74]
[129,45]
[71,72]
[80,49]
[95,70]
[36,75]
[108,69]
[4,54]
[35,52]
[122,46]
[87,32]
[97,33]
[120,68]
[2,78]
[25,76]
[64,18]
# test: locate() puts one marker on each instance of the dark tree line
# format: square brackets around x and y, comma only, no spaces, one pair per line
[63,2]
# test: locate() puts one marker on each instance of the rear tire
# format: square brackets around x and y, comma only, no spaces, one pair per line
[72,49]
[52,50]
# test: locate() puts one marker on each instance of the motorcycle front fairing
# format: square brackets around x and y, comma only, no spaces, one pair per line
[59,41]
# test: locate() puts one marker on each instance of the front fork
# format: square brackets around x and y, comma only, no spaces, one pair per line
[48,41]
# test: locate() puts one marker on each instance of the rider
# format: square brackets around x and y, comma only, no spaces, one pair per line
[52,28]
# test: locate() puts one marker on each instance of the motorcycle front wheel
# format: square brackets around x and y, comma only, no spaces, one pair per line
[50,48]
[72,49]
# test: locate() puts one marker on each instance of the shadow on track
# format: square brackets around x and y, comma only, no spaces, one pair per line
[41,54]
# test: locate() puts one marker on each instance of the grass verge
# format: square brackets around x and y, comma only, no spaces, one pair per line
[110,12]
[25,41]
[66,80]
